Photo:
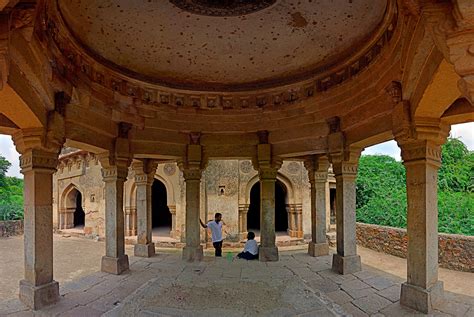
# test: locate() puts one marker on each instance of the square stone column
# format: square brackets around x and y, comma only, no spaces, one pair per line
[344,163]
[268,250]
[38,289]
[115,260]
[422,158]
[144,177]
[318,173]
[192,171]
[193,250]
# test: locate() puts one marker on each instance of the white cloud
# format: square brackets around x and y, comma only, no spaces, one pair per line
[7,150]
[387,148]
[465,132]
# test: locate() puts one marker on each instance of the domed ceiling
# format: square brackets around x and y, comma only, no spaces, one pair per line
[197,44]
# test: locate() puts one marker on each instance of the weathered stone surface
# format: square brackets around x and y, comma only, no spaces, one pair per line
[455,251]
[144,250]
[372,303]
[37,297]
[115,265]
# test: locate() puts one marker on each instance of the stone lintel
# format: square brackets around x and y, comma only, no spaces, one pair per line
[268,254]
[346,264]
[318,249]
[192,254]
[37,297]
[419,298]
[144,250]
[114,265]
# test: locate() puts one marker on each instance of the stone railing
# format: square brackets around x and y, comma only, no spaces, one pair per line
[11,228]
[456,252]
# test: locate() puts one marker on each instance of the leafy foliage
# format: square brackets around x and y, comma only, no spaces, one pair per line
[11,194]
[381,190]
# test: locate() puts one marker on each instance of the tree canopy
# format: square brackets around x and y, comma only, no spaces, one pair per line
[381,190]
[11,193]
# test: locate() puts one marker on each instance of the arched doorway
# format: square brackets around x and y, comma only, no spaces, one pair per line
[161,216]
[79,214]
[281,213]
[72,213]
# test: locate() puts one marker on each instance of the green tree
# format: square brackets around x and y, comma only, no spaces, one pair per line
[381,190]
[457,167]
[4,166]
[11,194]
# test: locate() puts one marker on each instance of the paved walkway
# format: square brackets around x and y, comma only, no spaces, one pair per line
[165,286]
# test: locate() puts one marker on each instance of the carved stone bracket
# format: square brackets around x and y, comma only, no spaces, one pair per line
[452,26]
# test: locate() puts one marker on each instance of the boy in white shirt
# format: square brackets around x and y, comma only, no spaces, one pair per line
[250,249]
[216,232]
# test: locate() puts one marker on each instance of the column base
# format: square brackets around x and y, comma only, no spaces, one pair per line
[114,265]
[268,254]
[144,250]
[192,254]
[37,297]
[346,264]
[421,299]
[318,249]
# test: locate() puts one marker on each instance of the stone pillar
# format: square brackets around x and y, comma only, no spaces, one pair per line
[318,173]
[193,250]
[346,260]
[173,232]
[192,172]
[144,177]
[421,153]
[131,220]
[291,214]
[267,167]
[243,211]
[268,250]
[38,289]
[115,260]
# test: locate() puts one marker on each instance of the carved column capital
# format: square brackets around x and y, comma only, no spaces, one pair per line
[191,174]
[346,161]
[144,171]
[317,167]
[35,159]
[114,173]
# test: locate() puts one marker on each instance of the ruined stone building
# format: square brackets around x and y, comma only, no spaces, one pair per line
[266,85]
[227,186]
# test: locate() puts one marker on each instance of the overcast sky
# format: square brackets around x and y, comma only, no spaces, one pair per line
[463,131]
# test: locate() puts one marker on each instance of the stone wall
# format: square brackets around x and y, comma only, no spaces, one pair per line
[11,228]
[456,252]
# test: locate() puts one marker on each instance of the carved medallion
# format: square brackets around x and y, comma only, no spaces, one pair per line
[222,8]
[169,169]
[293,168]
[246,166]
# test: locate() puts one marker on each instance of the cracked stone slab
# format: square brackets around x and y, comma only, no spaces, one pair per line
[242,298]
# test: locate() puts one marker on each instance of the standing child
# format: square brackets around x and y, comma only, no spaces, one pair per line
[216,232]
[250,249]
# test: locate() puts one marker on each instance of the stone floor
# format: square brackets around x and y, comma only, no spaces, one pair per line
[166,286]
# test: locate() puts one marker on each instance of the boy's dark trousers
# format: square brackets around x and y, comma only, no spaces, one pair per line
[218,247]
[247,255]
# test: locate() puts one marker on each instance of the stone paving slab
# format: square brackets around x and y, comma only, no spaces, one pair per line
[297,285]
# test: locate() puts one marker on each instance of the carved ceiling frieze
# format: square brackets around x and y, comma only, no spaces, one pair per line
[76,65]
